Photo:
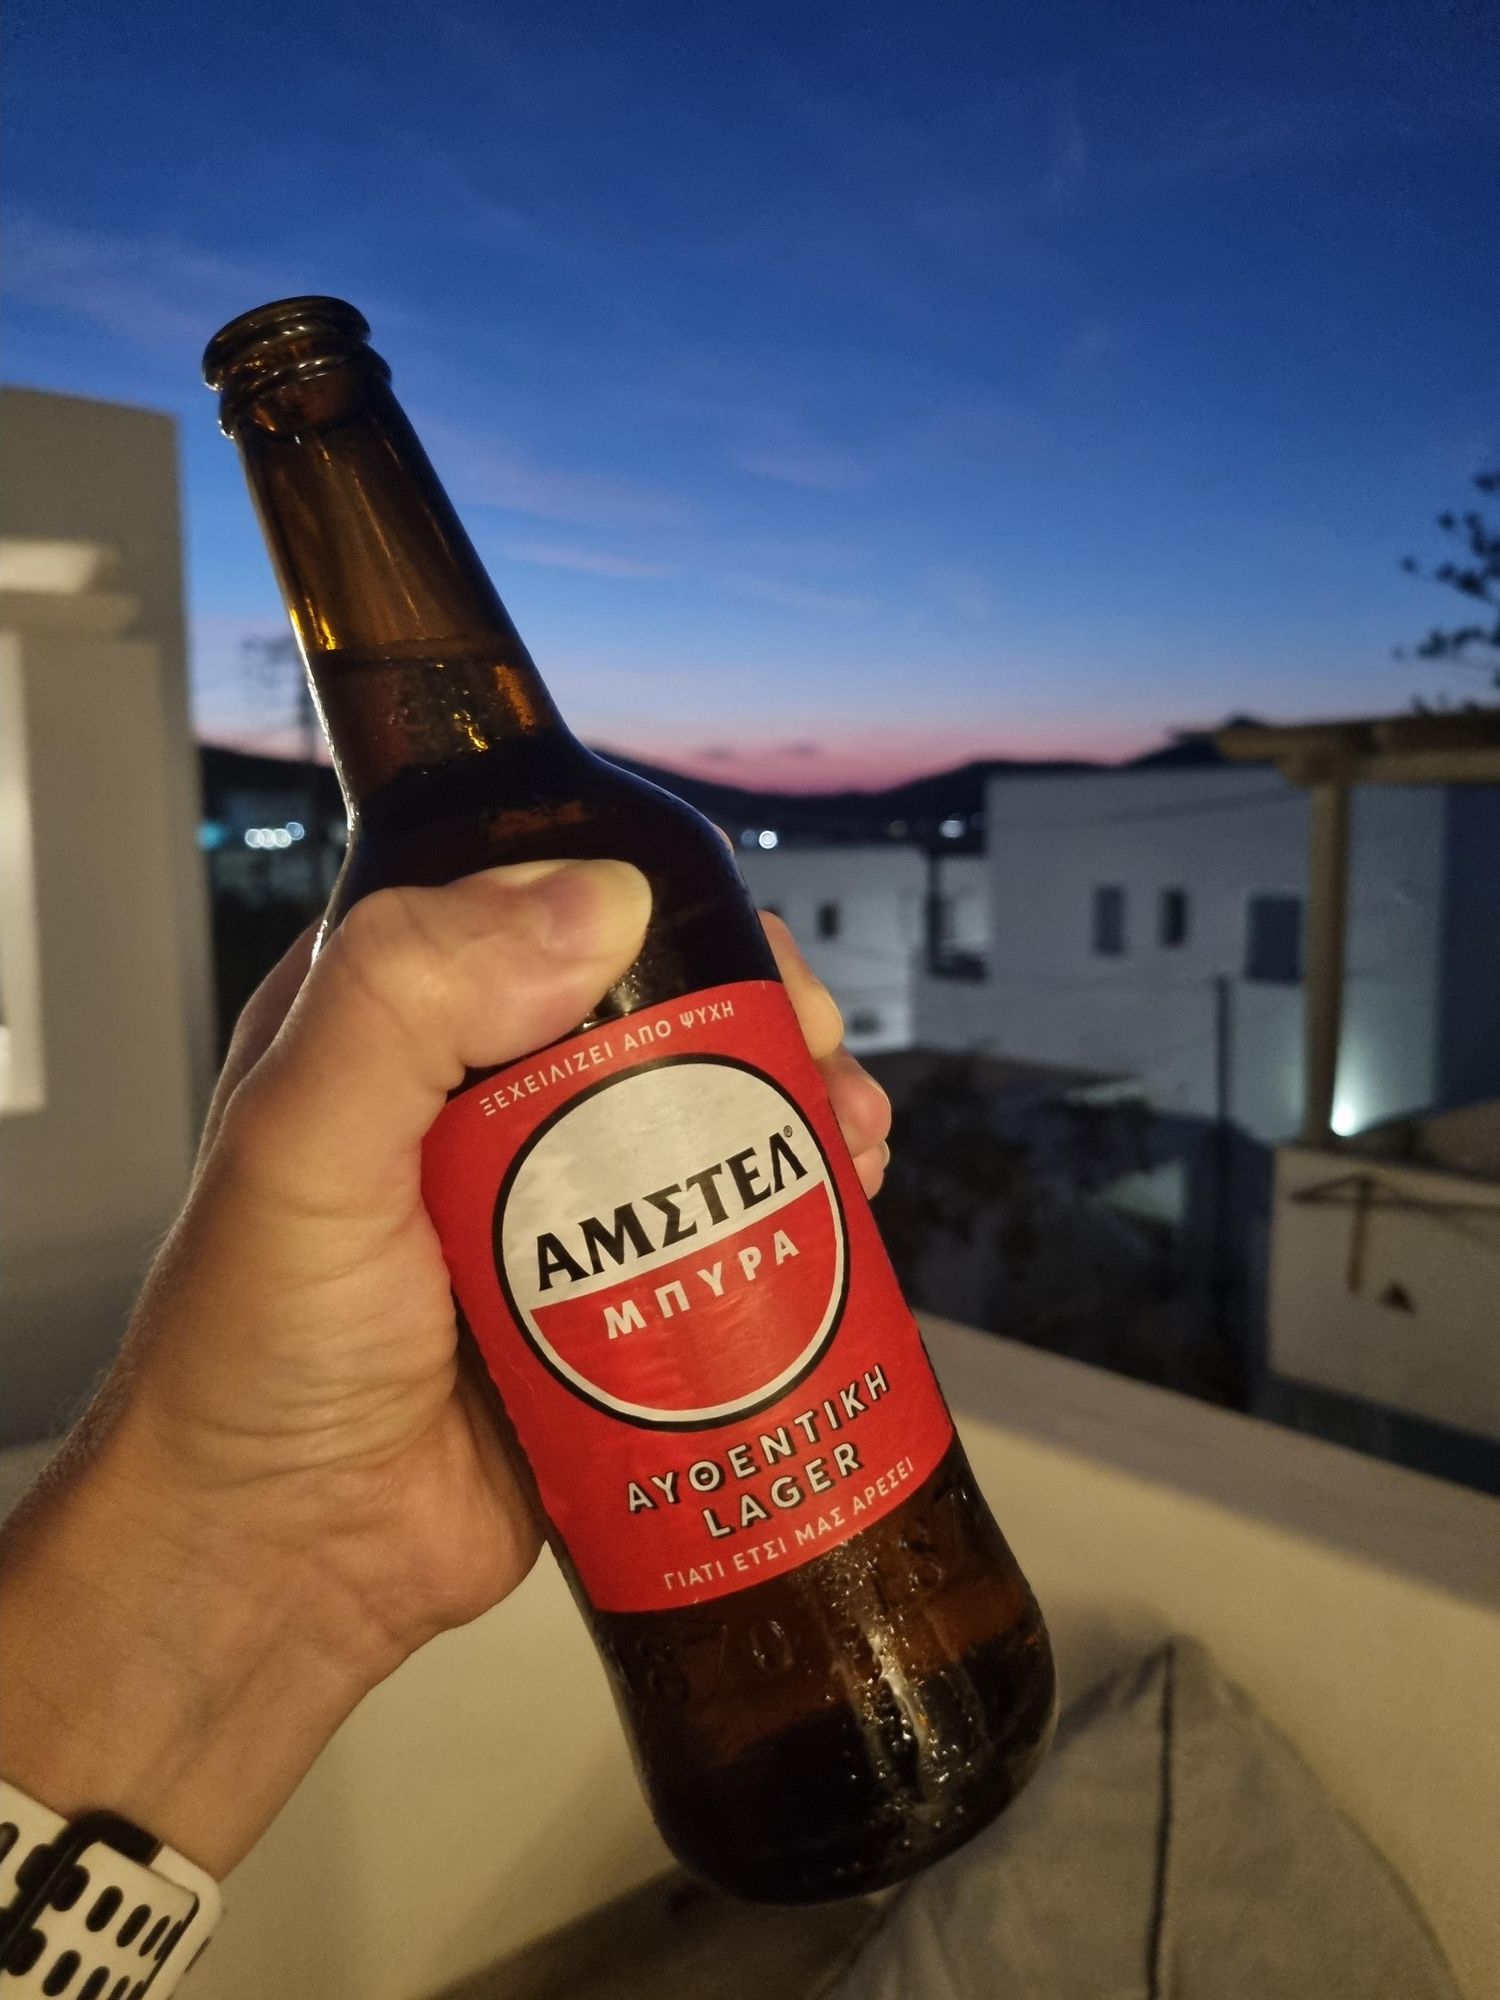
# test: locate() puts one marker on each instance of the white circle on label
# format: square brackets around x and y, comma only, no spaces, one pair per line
[672,1245]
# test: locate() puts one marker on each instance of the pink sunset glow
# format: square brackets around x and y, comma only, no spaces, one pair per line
[871,759]
[864,760]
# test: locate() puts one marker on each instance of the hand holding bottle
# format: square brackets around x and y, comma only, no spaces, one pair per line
[289,1480]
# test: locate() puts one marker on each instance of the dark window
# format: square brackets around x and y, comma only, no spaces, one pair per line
[828,920]
[1273,939]
[1174,916]
[1109,920]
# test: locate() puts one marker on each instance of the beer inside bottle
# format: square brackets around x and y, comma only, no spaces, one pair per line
[829,1665]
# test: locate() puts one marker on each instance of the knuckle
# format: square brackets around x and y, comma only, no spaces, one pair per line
[248,1134]
[377,924]
[385,948]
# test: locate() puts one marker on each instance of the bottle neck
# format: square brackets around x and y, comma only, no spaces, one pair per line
[413,658]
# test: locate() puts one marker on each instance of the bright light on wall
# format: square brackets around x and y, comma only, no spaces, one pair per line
[53,569]
[22,1069]
[1346,1120]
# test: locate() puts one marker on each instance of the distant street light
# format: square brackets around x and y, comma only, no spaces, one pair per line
[767,838]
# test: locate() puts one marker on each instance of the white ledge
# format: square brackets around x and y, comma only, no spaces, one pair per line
[1426,1530]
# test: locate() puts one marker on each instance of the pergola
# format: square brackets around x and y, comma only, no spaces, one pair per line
[1457,748]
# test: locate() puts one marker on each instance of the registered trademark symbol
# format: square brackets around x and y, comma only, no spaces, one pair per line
[786,1131]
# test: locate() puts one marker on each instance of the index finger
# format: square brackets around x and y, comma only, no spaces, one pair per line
[255,1030]
[816,1009]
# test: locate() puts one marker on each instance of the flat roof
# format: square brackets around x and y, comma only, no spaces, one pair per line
[900,1072]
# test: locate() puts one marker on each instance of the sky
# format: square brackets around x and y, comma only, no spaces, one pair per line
[838,391]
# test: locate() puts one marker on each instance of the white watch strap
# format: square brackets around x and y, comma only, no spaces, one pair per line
[111,1928]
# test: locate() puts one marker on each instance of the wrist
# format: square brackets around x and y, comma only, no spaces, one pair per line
[157,1662]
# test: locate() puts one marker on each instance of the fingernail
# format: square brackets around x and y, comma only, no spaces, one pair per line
[580,909]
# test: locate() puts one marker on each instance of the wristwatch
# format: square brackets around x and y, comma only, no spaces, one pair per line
[94,1908]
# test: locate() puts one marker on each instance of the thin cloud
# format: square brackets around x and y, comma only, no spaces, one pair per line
[1088,350]
[482,473]
[964,592]
[1069,151]
[590,562]
[823,468]
[809,552]
[797,596]
[156,292]
[785,449]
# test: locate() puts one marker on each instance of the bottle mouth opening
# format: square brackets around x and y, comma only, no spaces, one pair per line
[287,340]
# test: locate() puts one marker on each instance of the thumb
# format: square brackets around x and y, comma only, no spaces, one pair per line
[414,988]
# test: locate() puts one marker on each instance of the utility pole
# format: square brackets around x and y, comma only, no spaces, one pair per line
[1221,1283]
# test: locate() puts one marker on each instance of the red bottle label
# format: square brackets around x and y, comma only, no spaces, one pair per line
[657,1237]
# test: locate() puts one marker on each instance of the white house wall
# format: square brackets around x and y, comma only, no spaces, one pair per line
[1383,1285]
[94,1158]
[1152,1012]
[879,893]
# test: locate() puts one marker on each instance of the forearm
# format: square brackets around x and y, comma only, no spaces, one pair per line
[159,1665]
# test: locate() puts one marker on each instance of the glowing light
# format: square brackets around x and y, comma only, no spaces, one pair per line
[767,838]
[951,829]
[54,569]
[1346,1118]
[295,828]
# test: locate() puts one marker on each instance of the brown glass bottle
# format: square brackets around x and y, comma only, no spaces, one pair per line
[835,1727]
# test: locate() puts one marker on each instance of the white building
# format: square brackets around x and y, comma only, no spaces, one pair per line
[105,1016]
[1306,956]
[1151,924]
[861,915]
[1385,1246]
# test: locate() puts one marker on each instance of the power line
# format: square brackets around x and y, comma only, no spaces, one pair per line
[1283,795]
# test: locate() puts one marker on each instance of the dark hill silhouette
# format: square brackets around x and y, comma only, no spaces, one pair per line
[913,810]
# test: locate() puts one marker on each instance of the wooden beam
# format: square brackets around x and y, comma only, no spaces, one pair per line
[1479,765]
[1327,926]
[1462,748]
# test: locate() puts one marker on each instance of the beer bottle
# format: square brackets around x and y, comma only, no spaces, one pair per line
[828,1663]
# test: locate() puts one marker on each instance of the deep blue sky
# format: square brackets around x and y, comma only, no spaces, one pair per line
[836,391]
